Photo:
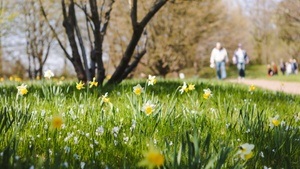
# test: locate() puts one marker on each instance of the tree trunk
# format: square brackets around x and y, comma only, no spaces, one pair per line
[69,23]
[138,28]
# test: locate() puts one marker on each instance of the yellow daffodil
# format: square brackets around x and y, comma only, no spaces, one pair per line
[80,85]
[245,151]
[148,108]
[207,93]
[57,122]
[138,90]
[152,158]
[252,88]
[105,98]
[1,79]
[191,87]
[17,79]
[48,74]
[151,80]
[22,90]
[183,88]
[274,121]
[93,83]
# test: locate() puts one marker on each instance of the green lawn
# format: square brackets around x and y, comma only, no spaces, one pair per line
[159,127]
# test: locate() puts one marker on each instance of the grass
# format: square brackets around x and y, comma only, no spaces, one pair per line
[186,129]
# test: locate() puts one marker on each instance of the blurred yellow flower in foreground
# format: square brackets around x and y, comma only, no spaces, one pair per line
[274,121]
[245,151]
[153,158]
[207,93]
[80,85]
[151,80]
[105,98]
[57,122]
[93,83]
[22,90]
[48,74]
[252,88]
[138,90]
[148,108]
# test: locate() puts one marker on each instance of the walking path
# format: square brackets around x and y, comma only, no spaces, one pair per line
[287,87]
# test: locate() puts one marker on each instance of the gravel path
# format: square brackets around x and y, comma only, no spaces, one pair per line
[287,87]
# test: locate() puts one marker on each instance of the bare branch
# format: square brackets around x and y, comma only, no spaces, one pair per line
[133,14]
[134,64]
[138,56]
[54,32]
[107,18]
[83,8]
[47,53]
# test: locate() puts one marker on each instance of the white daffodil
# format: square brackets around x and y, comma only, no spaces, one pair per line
[245,151]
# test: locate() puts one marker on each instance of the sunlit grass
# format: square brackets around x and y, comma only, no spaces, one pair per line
[55,125]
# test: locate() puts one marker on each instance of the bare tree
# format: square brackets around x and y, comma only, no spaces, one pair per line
[6,17]
[38,36]
[177,33]
[261,14]
[288,22]
[97,16]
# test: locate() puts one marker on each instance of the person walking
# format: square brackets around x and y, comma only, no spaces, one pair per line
[218,60]
[282,67]
[240,58]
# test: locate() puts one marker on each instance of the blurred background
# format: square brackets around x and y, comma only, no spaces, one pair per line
[179,38]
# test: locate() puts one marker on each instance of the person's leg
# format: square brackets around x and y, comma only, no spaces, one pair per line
[243,70]
[218,69]
[223,70]
[239,69]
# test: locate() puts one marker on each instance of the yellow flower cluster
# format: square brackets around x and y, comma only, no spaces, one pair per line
[186,88]
[92,83]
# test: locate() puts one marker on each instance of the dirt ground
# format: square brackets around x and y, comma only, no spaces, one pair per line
[287,87]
